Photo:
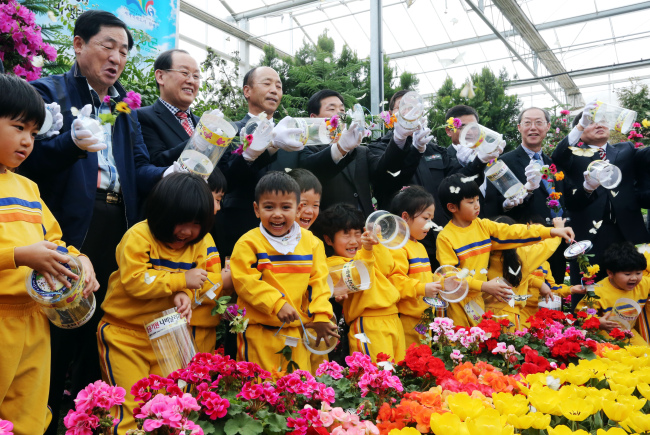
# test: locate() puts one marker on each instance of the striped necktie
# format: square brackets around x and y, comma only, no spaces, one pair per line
[185,122]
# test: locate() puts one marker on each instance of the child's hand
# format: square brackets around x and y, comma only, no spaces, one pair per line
[288,314]
[558,222]
[368,240]
[324,330]
[432,289]
[566,233]
[606,324]
[546,292]
[44,258]
[91,280]
[497,288]
[183,305]
[340,298]
[194,278]
[578,290]
[226,276]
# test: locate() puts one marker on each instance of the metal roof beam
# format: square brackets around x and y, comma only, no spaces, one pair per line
[543,26]
[278,7]
[220,24]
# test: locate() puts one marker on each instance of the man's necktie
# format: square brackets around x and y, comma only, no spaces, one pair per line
[185,122]
[603,154]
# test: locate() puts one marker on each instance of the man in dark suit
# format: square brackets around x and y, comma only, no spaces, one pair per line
[616,212]
[168,124]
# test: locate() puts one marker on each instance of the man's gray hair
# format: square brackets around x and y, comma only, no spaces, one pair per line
[546,114]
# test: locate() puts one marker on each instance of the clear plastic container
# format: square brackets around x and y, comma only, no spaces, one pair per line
[576,249]
[350,277]
[505,181]
[262,130]
[171,341]
[625,311]
[47,124]
[609,176]
[411,109]
[614,117]
[454,287]
[314,131]
[207,145]
[476,136]
[554,304]
[391,231]
[310,337]
[65,307]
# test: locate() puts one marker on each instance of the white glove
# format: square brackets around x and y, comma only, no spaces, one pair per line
[351,138]
[486,157]
[513,202]
[533,176]
[83,138]
[422,136]
[216,112]
[590,184]
[586,118]
[282,136]
[175,167]
[57,119]
[254,150]
[464,155]
[400,134]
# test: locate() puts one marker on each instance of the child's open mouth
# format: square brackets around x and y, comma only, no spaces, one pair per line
[277,226]
[305,222]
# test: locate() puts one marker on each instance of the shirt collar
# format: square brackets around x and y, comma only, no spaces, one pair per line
[174,109]
[604,147]
[112,92]
[530,152]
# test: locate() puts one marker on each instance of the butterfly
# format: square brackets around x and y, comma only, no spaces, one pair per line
[462,274]
[583,152]
[149,279]
[483,271]
[513,272]
[394,174]
[614,194]
[454,189]
[468,179]
[597,225]
[362,337]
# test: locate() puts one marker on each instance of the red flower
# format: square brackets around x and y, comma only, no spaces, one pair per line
[591,323]
[581,315]
[617,334]
[383,357]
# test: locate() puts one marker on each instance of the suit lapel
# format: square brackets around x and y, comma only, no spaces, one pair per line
[350,168]
[169,119]
[611,153]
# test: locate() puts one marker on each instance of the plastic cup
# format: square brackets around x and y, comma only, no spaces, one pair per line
[207,145]
[391,231]
[454,289]
[625,312]
[309,339]
[350,277]
[262,131]
[65,307]
[314,131]
[504,180]
[554,304]
[609,176]
[411,109]
[171,341]
[614,117]
[476,136]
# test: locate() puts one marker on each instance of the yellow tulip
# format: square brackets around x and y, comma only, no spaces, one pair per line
[644,389]
[622,378]
[506,403]
[616,411]
[570,391]
[622,390]
[596,401]
[576,409]
[564,430]
[578,376]
[629,426]
[445,424]
[536,378]
[488,425]
[596,366]
[464,406]
[541,421]
[611,431]
[643,374]
[634,402]
[545,400]
[641,421]
[521,421]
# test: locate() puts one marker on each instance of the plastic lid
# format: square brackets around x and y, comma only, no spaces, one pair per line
[576,249]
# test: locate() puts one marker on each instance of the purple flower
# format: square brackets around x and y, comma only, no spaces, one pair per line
[232,310]
[553,203]
[107,99]
[591,311]
[458,123]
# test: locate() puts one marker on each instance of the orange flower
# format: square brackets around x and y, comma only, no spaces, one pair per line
[555,195]
[431,399]
[423,419]
[601,347]
[466,377]
[559,176]
[385,413]
[386,427]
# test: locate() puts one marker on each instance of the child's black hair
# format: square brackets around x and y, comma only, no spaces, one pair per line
[336,218]
[177,199]
[453,190]
[307,181]
[20,102]
[277,182]
[623,257]
[217,182]
[509,257]
[412,200]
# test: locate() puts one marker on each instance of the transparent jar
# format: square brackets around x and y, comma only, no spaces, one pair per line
[65,307]
[554,304]
[625,311]
[411,109]
[262,130]
[609,176]
[207,145]
[310,337]
[314,131]
[171,341]
[351,277]
[476,136]
[392,231]
[504,180]
[614,117]
[454,286]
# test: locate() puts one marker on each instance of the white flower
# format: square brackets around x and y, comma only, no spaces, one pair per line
[553,383]
[38,61]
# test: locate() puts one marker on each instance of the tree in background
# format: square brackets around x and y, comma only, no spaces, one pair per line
[637,97]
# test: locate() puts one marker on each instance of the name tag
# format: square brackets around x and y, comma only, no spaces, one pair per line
[432,157]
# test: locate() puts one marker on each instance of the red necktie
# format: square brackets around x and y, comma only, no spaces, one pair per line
[185,122]
[603,154]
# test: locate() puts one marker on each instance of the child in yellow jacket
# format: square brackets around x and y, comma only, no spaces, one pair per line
[29,238]
[466,243]
[415,205]
[273,268]
[162,262]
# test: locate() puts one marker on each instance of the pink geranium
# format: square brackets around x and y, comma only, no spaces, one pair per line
[6,427]
[333,369]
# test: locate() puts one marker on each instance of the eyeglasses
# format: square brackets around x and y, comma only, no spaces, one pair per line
[185,73]
[124,52]
[538,124]
[278,86]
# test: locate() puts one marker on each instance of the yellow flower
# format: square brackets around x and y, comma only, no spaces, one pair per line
[521,421]
[405,431]
[571,391]
[559,176]
[445,424]
[622,390]
[576,409]
[644,389]
[464,406]
[564,430]
[623,378]
[636,403]
[616,411]
[545,400]
[637,351]
[488,425]
[645,123]
[541,421]
[123,107]
[592,270]
[578,376]
[506,403]
[611,431]
[641,421]
[596,366]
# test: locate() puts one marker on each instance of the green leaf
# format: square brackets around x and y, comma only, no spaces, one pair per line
[586,353]
[207,426]
[243,424]
[276,423]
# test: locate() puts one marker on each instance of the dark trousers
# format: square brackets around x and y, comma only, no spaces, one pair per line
[74,351]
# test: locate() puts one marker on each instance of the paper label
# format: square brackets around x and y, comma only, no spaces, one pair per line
[164,325]
[474,311]
[346,275]
[497,173]
[290,341]
[212,137]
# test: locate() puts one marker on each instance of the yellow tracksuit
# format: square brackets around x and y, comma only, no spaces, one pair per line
[24,329]
[373,312]
[531,257]
[414,272]
[149,274]
[470,247]
[538,277]
[265,280]
[204,324]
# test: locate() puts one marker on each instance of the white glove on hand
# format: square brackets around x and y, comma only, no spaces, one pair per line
[175,167]
[351,138]
[57,119]
[83,138]
[533,176]
[586,118]
[421,137]
[254,150]
[282,136]
[590,184]
[513,202]
[486,157]
[216,112]
[400,134]
[464,155]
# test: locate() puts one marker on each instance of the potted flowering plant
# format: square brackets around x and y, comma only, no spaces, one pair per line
[91,413]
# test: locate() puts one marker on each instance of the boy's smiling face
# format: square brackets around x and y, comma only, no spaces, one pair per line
[345,243]
[277,211]
[308,209]
[16,142]
[625,280]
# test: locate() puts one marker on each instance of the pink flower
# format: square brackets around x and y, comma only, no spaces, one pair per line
[326,419]
[107,99]
[564,112]
[50,52]
[458,123]
[456,355]
[334,121]
[339,415]
[332,369]
[553,203]
[215,406]
[80,423]
[133,99]
[638,144]
[636,125]
[6,427]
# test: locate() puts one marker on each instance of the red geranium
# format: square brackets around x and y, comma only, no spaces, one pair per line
[591,323]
